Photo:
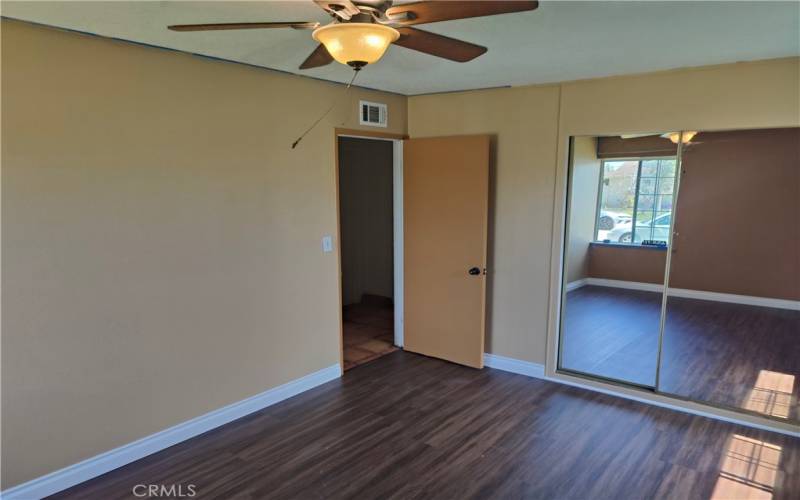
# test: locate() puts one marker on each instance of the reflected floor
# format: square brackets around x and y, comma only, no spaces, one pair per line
[733,355]
[728,354]
[612,333]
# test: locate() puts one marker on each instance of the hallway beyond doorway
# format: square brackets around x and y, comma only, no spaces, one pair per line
[368,330]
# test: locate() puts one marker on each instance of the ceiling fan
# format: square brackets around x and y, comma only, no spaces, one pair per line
[362,30]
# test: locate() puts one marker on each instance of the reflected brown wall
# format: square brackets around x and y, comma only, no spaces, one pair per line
[738,214]
[640,264]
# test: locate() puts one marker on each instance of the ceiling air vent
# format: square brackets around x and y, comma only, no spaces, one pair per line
[373,114]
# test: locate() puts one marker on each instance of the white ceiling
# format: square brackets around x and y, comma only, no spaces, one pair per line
[560,41]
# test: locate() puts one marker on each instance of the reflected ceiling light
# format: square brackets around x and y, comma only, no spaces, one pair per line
[356,44]
[676,136]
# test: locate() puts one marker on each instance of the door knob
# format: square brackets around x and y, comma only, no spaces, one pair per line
[474,271]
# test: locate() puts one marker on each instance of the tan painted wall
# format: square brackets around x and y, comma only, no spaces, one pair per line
[161,241]
[731,96]
[585,180]
[366,222]
[530,179]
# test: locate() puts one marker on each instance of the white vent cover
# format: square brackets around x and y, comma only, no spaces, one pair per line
[372,113]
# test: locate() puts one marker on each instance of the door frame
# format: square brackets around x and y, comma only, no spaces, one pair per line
[397,225]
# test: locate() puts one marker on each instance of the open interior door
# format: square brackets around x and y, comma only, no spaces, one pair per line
[445,205]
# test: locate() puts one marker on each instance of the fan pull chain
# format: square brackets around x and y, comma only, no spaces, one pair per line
[344,94]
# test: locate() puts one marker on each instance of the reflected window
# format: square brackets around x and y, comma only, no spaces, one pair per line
[749,469]
[636,199]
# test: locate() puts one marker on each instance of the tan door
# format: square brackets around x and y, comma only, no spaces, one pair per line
[445,212]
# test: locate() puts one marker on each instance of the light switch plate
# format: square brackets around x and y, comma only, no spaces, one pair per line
[327,244]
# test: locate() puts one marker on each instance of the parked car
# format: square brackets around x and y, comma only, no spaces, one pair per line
[659,226]
[610,220]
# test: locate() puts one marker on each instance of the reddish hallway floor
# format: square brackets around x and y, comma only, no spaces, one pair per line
[368,331]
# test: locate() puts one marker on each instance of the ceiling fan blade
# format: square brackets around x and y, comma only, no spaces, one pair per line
[438,45]
[320,57]
[435,11]
[300,25]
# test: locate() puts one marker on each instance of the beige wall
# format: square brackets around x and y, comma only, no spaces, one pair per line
[530,179]
[585,181]
[161,241]
[731,96]
[366,222]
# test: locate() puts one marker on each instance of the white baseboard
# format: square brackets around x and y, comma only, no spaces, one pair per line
[113,459]
[736,299]
[513,365]
[690,294]
[574,285]
[630,285]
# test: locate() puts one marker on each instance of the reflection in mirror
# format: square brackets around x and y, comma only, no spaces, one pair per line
[732,328]
[620,199]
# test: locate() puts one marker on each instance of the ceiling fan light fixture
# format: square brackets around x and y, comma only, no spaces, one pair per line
[676,136]
[356,44]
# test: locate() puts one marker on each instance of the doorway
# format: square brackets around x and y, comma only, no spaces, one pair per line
[437,197]
[371,285]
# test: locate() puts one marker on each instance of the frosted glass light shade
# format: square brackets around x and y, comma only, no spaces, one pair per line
[676,136]
[356,43]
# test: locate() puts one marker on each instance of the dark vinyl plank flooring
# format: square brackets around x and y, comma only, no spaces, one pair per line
[733,355]
[613,333]
[408,426]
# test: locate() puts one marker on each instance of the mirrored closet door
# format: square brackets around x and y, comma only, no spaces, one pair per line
[732,328]
[682,266]
[620,197]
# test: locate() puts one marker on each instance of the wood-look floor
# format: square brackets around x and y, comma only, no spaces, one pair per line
[407,426]
[733,355]
[612,332]
[727,354]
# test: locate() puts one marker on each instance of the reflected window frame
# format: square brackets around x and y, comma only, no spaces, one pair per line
[653,211]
